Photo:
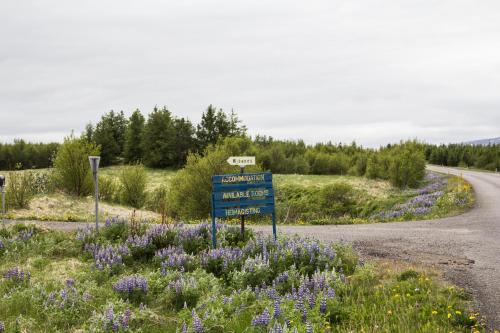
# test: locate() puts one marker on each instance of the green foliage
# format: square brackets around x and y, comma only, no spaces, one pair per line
[72,169]
[407,168]
[337,199]
[191,187]
[65,294]
[133,179]
[26,154]
[158,202]
[216,125]
[465,155]
[20,189]
[133,147]
[109,134]
[108,189]
[157,141]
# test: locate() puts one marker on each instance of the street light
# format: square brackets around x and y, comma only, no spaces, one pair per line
[2,188]
[94,165]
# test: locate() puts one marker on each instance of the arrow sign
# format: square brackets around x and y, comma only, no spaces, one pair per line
[241,160]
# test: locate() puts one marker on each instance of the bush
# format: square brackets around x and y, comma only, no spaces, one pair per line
[337,199]
[407,168]
[158,202]
[108,189]
[133,180]
[72,168]
[191,187]
[19,189]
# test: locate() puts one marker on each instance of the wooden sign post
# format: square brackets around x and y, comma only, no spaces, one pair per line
[241,195]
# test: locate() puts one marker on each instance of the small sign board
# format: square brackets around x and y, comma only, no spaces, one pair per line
[242,194]
[241,160]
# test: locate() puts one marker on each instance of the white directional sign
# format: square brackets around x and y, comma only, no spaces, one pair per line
[241,160]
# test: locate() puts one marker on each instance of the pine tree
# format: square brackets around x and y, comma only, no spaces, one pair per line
[158,139]
[109,134]
[133,149]
[216,125]
[183,141]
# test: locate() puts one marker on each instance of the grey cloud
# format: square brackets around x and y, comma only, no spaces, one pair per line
[372,71]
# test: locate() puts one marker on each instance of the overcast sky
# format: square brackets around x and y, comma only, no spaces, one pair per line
[370,71]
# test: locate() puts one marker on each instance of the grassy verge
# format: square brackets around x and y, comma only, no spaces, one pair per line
[113,282]
[300,199]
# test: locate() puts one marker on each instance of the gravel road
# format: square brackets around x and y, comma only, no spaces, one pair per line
[465,247]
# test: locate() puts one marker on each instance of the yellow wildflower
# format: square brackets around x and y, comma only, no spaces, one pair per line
[389,312]
[449,315]
[458,312]
[434,312]
[472,318]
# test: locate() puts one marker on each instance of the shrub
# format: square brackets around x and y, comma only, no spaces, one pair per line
[158,202]
[133,180]
[191,188]
[407,168]
[108,189]
[19,189]
[337,199]
[72,169]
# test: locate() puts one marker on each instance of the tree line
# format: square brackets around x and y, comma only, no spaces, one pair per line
[464,155]
[160,140]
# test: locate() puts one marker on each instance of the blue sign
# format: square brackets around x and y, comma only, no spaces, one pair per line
[242,194]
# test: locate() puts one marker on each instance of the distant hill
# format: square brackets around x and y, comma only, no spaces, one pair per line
[484,142]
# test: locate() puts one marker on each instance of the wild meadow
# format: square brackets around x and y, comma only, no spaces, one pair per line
[300,199]
[141,277]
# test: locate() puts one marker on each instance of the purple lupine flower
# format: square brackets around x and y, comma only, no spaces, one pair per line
[276,309]
[322,305]
[2,327]
[184,327]
[303,316]
[262,319]
[277,328]
[309,328]
[130,284]
[16,274]
[110,314]
[1,244]
[70,283]
[126,318]
[25,235]
[197,324]
[330,292]
[85,234]
[226,254]
[108,256]
[312,301]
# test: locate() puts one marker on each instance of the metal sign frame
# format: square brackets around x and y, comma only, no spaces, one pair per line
[242,194]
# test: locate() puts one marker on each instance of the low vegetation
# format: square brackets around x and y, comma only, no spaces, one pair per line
[300,199]
[159,278]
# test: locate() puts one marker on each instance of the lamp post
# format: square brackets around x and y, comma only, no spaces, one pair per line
[2,188]
[94,165]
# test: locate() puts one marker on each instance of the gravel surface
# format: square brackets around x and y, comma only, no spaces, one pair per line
[465,247]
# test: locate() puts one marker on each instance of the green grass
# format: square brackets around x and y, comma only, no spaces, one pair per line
[156,177]
[298,198]
[392,296]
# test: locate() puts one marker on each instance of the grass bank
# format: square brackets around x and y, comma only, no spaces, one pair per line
[142,278]
[300,199]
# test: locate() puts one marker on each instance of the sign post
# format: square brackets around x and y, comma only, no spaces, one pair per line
[2,188]
[94,165]
[242,161]
[241,195]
